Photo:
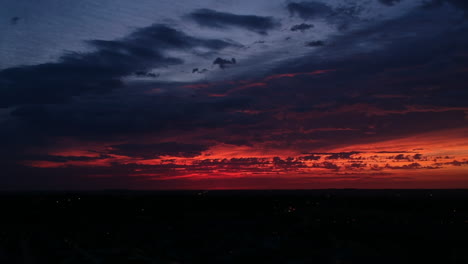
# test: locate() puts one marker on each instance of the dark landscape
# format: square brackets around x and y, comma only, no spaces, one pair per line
[303,226]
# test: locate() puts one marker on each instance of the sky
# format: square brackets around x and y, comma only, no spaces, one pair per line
[223,94]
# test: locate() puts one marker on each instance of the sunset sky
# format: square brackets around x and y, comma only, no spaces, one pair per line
[224,94]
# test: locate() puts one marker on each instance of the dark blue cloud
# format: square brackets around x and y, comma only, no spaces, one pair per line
[342,16]
[390,2]
[222,63]
[14,20]
[461,4]
[309,10]
[100,71]
[216,19]
[153,151]
[315,43]
[302,27]
[146,74]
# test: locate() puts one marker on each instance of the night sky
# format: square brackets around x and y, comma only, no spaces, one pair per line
[224,94]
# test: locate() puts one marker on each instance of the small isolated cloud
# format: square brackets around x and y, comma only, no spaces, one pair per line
[342,155]
[302,27]
[310,157]
[197,70]
[147,74]
[309,10]
[315,43]
[327,165]
[413,165]
[389,2]
[402,157]
[14,20]
[216,19]
[223,62]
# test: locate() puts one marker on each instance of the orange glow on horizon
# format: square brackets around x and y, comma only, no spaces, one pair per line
[436,157]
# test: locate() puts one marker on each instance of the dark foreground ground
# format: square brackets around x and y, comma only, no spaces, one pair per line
[327,226]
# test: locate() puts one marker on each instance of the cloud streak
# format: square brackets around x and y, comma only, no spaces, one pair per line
[216,19]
